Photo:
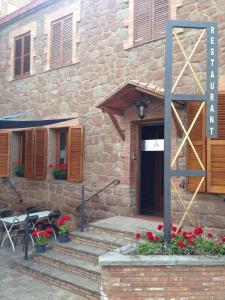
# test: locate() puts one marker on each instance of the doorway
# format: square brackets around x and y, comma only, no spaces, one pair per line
[151,169]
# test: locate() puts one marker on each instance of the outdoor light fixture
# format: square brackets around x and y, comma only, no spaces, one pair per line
[141,109]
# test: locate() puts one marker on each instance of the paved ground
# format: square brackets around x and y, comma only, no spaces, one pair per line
[19,286]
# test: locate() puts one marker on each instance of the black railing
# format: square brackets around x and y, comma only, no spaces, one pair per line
[7,179]
[80,208]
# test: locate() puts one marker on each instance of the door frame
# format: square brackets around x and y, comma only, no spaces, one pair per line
[140,124]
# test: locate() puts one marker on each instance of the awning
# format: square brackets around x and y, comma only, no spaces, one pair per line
[10,124]
[128,94]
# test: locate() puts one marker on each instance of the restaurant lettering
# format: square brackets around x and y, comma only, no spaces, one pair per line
[211,105]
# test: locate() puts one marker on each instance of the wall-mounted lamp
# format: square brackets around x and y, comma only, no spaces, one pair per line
[141,109]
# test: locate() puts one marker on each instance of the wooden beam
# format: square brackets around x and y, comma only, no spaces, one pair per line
[116,124]
[113,111]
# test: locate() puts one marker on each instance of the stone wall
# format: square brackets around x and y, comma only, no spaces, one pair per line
[102,64]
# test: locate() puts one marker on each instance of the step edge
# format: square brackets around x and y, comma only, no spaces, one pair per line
[57,279]
[96,239]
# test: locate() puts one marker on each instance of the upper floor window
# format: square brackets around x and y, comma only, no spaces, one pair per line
[22,55]
[150,18]
[62,41]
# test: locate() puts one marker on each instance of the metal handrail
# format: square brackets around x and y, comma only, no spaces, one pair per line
[80,208]
[115,181]
[7,179]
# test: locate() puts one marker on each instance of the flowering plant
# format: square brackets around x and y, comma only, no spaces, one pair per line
[59,170]
[41,237]
[182,242]
[63,227]
[19,168]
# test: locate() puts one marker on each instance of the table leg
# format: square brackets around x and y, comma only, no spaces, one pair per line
[8,235]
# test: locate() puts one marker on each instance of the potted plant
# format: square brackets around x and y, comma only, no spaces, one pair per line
[63,229]
[41,239]
[59,171]
[19,170]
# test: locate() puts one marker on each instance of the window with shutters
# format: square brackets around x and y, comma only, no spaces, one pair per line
[69,152]
[210,151]
[22,55]
[150,18]
[61,42]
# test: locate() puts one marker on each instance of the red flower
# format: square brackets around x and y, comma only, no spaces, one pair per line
[138,235]
[181,244]
[44,233]
[150,236]
[210,235]
[61,222]
[156,238]
[66,218]
[50,166]
[160,227]
[48,229]
[173,235]
[174,228]
[191,241]
[198,230]
[35,232]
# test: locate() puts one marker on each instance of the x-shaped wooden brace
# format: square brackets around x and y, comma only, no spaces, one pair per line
[188,61]
[187,132]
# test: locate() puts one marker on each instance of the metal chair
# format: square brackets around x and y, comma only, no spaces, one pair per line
[32,225]
[52,222]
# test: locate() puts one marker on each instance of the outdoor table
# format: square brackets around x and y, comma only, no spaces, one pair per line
[15,220]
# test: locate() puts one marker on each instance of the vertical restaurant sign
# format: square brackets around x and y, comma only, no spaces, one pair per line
[212,81]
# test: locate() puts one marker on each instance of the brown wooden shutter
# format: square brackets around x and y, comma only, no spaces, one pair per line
[29,153]
[142,20]
[216,154]
[161,15]
[40,153]
[56,43]
[22,55]
[197,136]
[75,154]
[4,154]
[61,41]
[67,40]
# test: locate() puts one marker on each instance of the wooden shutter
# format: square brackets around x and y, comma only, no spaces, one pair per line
[75,154]
[67,40]
[142,20]
[216,154]
[40,153]
[22,55]
[29,153]
[197,136]
[161,15]
[4,154]
[61,41]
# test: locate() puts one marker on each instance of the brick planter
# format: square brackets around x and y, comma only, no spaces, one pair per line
[162,277]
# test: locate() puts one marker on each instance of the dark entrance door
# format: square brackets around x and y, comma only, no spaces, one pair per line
[151,170]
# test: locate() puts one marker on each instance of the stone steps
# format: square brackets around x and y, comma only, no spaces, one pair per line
[77,284]
[74,265]
[107,242]
[70,264]
[82,251]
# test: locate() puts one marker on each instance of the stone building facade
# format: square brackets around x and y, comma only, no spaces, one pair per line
[105,60]
[9,6]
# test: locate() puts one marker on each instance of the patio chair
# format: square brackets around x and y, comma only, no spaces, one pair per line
[32,225]
[52,222]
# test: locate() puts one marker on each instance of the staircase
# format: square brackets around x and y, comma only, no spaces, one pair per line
[74,265]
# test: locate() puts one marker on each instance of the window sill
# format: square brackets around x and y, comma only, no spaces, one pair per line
[21,78]
[134,45]
[50,69]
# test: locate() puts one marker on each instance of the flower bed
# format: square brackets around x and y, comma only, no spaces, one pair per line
[126,274]
[183,242]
